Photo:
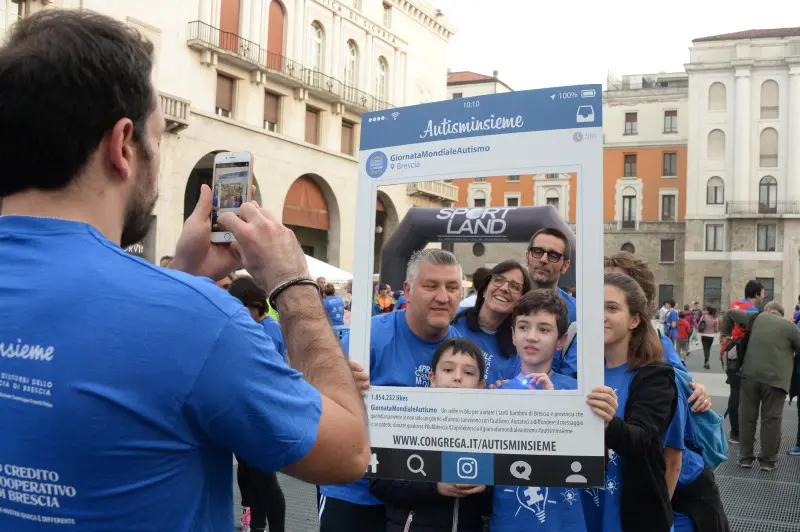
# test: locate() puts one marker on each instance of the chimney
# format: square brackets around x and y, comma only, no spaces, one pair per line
[495,74]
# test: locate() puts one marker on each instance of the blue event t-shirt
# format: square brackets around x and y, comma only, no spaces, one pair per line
[498,367]
[568,363]
[129,387]
[398,357]
[602,506]
[692,463]
[334,306]
[672,332]
[273,330]
[523,508]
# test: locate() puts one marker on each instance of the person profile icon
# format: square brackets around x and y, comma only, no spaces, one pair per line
[575,477]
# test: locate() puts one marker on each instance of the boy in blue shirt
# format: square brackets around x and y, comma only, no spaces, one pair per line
[540,323]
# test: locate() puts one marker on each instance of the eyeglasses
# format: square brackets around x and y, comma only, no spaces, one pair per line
[500,280]
[552,256]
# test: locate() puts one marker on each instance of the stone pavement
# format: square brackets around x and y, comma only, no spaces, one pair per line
[755,501]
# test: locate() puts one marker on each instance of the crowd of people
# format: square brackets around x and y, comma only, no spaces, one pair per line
[152,378]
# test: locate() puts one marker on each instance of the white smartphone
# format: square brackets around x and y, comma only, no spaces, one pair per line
[233,176]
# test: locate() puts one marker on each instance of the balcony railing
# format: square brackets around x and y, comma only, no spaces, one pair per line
[434,189]
[176,112]
[757,207]
[252,56]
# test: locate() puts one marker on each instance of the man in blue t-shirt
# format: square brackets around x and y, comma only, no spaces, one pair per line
[402,345]
[125,388]
[548,258]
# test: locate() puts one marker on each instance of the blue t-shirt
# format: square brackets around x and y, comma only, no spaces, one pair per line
[400,302]
[129,387]
[602,506]
[672,332]
[568,364]
[334,306]
[523,508]
[498,367]
[397,358]
[273,330]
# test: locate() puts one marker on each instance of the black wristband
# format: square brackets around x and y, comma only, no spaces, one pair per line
[278,290]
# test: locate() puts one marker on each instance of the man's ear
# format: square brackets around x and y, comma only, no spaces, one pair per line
[120,147]
[561,341]
[565,266]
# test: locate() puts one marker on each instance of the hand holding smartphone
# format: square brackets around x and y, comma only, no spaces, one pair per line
[231,185]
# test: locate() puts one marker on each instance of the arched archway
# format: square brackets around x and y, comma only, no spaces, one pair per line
[386,221]
[202,174]
[312,212]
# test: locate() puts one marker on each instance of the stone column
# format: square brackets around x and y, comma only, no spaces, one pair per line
[395,77]
[336,47]
[368,85]
[793,166]
[299,30]
[741,136]
[256,31]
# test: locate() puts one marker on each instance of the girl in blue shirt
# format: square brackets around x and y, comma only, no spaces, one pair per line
[635,495]
[488,323]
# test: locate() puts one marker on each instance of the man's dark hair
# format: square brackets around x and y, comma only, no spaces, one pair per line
[671,302]
[479,276]
[66,77]
[546,300]
[753,289]
[556,233]
[460,345]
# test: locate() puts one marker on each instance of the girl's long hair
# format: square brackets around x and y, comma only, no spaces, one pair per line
[503,333]
[245,290]
[645,346]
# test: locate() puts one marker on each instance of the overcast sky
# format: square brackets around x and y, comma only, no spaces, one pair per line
[547,43]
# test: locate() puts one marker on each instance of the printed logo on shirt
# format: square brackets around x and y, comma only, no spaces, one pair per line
[423,376]
[534,499]
[488,362]
[27,351]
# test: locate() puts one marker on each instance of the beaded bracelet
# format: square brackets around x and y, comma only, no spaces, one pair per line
[283,286]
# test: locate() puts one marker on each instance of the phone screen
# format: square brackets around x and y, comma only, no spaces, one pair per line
[230,190]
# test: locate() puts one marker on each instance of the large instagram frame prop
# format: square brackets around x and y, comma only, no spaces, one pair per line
[504,437]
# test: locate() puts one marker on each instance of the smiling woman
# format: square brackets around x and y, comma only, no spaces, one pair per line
[488,323]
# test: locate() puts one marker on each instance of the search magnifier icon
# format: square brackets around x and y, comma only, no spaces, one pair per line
[420,469]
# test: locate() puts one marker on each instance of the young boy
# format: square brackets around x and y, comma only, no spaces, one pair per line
[539,328]
[457,363]
[684,330]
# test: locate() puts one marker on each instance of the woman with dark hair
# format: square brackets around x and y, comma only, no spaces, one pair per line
[637,404]
[708,327]
[488,323]
[262,498]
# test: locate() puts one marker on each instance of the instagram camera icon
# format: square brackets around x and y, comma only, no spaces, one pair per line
[467,468]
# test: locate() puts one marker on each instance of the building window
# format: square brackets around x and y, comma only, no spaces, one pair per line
[716,144]
[351,65]
[717,97]
[628,247]
[479,198]
[553,202]
[666,292]
[628,212]
[457,95]
[715,191]
[712,292]
[348,136]
[10,12]
[552,198]
[668,208]
[768,195]
[271,103]
[714,235]
[766,237]
[316,47]
[769,288]
[512,201]
[312,125]
[630,166]
[551,176]
[224,105]
[769,99]
[480,180]
[513,179]
[769,148]
[670,121]
[670,165]
[631,123]
[381,82]
[667,253]
[387,16]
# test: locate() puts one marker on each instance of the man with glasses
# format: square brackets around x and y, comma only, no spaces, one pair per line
[548,258]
